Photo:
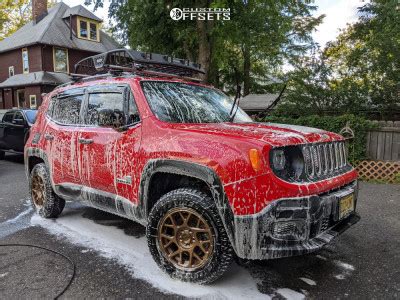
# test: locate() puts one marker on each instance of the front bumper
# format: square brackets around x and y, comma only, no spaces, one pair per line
[289,227]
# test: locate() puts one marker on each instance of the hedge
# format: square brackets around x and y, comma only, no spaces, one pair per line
[359,125]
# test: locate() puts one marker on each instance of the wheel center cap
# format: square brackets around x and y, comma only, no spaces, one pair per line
[185,238]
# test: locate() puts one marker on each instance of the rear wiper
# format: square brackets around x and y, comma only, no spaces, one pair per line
[237,99]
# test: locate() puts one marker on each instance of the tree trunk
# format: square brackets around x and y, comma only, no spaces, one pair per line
[204,33]
[246,70]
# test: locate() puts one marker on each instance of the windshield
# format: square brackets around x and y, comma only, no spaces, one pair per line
[186,103]
[31,115]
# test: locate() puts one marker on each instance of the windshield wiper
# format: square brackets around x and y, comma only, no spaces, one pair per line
[237,99]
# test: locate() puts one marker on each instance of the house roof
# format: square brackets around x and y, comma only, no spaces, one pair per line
[54,30]
[257,102]
[79,10]
[36,78]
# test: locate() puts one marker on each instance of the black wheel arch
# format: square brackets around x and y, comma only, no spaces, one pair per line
[198,174]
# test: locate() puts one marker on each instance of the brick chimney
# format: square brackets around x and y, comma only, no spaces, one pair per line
[39,10]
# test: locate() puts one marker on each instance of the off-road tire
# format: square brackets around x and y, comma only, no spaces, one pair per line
[2,155]
[222,252]
[52,204]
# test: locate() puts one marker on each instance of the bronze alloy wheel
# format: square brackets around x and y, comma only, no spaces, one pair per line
[38,190]
[185,238]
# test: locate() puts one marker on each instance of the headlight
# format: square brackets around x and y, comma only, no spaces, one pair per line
[278,159]
[288,163]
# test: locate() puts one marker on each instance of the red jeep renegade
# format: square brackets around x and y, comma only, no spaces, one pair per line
[146,143]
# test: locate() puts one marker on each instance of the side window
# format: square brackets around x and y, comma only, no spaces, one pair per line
[50,108]
[18,116]
[133,112]
[105,108]
[67,109]
[8,117]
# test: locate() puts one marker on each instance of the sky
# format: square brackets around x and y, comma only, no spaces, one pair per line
[338,14]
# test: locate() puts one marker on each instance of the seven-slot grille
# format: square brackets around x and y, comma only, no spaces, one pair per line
[324,160]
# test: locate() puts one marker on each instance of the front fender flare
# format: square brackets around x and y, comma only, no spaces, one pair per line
[194,170]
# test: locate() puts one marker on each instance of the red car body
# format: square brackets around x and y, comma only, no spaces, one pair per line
[121,165]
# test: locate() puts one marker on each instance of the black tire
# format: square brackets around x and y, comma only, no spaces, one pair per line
[2,155]
[50,205]
[222,253]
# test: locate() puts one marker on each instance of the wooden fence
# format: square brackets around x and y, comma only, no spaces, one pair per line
[383,151]
[384,143]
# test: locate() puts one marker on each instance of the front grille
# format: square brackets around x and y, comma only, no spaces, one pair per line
[324,160]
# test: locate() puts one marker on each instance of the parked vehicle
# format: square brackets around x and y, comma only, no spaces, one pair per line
[14,130]
[178,157]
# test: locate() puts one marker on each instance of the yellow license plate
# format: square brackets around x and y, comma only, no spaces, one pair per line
[346,205]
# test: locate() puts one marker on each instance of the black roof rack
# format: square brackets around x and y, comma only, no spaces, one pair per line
[132,61]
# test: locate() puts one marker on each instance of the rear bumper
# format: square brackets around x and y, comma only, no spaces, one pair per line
[289,227]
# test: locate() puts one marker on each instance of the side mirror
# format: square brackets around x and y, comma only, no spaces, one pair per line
[111,118]
[18,122]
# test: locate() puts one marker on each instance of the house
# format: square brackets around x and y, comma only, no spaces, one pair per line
[257,103]
[41,54]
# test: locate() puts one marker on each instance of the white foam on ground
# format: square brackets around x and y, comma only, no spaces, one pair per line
[290,294]
[344,265]
[133,253]
[347,269]
[20,215]
[308,281]
[340,276]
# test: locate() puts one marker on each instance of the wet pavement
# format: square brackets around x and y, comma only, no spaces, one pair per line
[112,260]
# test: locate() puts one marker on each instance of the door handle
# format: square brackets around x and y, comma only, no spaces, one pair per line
[48,137]
[85,141]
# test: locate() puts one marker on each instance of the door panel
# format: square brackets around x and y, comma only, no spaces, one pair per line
[108,154]
[5,130]
[17,132]
[128,164]
[97,150]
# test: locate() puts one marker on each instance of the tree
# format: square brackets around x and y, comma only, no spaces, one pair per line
[257,39]
[262,35]
[358,72]
[367,56]
[14,14]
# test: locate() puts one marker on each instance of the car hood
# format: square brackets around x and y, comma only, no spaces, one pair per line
[271,133]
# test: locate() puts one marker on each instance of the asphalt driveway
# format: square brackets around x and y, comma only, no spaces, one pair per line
[111,257]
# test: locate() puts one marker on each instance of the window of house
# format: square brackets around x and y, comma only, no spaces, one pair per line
[25,60]
[60,60]
[21,98]
[83,29]
[67,109]
[32,101]
[11,71]
[88,29]
[93,31]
